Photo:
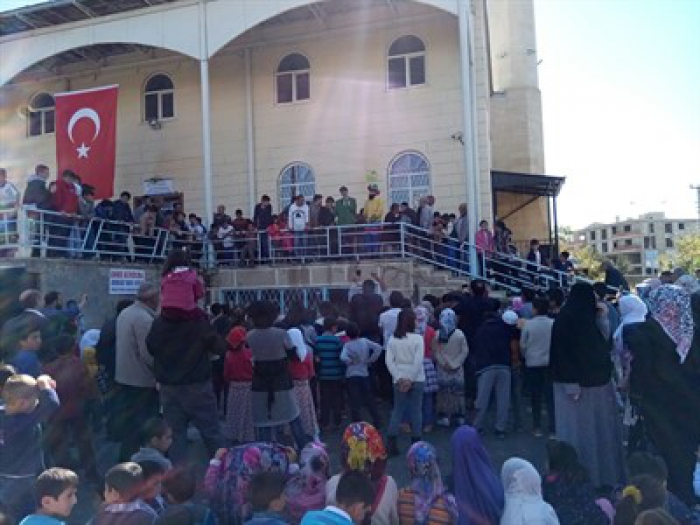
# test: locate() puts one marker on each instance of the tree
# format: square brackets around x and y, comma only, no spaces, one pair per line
[588,261]
[688,252]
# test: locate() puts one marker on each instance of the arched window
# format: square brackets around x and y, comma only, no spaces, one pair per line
[409,178]
[296,179]
[159,98]
[293,80]
[406,63]
[41,115]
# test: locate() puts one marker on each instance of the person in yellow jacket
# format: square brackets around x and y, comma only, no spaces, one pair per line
[373,212]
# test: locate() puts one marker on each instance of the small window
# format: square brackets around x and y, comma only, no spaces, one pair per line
[651,227]
[647,243]
[406,63]
[668,227]
[614,230]
[669,243]
[603,234]
[593,236]
[605,247]
[409,178]
[628,228]
[159,98]
[628,242]
[615,245]
[296,179]
[681,226]
[41,115]
[292,79]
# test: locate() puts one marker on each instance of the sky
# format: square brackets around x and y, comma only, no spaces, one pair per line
[620,82]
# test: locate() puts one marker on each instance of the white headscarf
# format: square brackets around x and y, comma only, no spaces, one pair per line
[632,310]
[523,489]
[688,282]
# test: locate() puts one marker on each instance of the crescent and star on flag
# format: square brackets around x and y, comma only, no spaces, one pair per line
[89,114]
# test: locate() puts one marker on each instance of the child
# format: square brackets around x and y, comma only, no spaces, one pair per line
[27,337]
[28,402]
[157,438]
[354,498]
[151,488]
[69,422]
[268,499]
[358,353]
[179,487]
[55,492]
[238,373]
[331,371]
[250,246]
[180,288]
[123,505]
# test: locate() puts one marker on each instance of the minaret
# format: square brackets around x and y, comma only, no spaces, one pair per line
[516,106]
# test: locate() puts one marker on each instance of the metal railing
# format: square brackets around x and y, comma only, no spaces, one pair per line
[41,233]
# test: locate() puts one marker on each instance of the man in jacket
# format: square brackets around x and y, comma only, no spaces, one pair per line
[182,351]
[492,348]
[137,397]
[37,195]
[262,218]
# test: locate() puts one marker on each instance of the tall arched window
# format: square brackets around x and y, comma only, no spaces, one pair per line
[41,115]
[406,62]
[159,98]
[293,79]
[409,178]
[296,179]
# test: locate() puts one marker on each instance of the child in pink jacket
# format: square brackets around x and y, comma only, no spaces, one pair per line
[180,288]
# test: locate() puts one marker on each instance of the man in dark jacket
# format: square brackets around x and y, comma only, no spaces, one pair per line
[182,351]
[492,349]
[614,278]
[37,193]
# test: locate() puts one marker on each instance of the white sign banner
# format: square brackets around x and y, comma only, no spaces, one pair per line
[125,281]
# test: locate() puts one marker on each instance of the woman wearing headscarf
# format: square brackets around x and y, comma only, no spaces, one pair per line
[306,491]
[586,412]
[425,501]
[362,449]
[431,379]
[664,383]
[477,489]
[450,350]
[523,488]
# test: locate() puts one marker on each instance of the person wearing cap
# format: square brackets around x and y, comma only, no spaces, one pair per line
[373,214]
[492,349]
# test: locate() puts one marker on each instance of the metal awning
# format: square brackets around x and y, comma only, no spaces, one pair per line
[526,183]
[56,12]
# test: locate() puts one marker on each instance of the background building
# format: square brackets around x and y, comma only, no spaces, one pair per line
[235,99]
[641,243]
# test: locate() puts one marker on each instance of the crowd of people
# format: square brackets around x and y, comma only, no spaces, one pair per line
[74,225]
[265,390]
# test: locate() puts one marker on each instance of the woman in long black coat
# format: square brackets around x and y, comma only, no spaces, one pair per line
[665,383]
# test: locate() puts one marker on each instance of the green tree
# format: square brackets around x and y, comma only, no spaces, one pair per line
[587,259]
[688,252]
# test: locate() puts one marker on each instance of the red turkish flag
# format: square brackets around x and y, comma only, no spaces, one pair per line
[86,132]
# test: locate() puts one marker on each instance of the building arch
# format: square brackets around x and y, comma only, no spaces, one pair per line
[408,178]
[295,178]
[178,30]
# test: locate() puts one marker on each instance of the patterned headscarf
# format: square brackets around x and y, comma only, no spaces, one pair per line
[670,306]
[426,482]
[307,489]
[422,317]
[448,323]
[363,450]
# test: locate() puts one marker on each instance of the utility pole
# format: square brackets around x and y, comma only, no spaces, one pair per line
[696,187]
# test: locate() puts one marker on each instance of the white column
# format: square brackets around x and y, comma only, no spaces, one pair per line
[469,133]
[250,138]
[206,114]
